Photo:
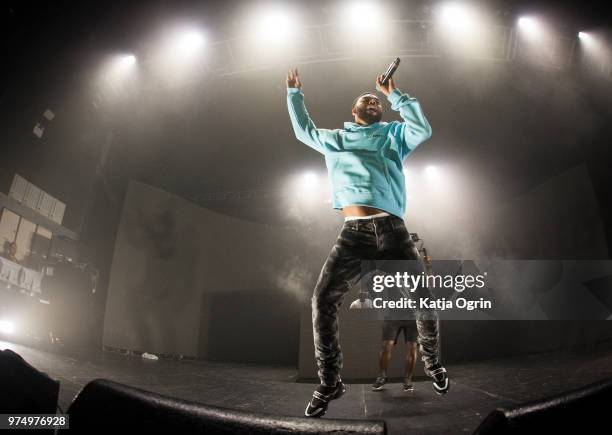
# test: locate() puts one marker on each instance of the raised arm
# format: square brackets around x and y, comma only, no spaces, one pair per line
[305,130]
[415,129]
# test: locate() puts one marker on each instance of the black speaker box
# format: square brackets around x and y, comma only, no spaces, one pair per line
[23,389]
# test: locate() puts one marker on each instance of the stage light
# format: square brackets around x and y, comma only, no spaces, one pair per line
[179,46]
[457,16]
[363,13]
[177,57]
[307,184]
[592,42]
[306,190]
[127,60]
[584,36]
[594,51]
[431,171]
[7,327]
[529,25]
[309,179]
[440,181]
[589,42]
[116,72]
[463,29]
[526,22]
[189,41]
[121,65]
[537,40]
[363,26]
[176,43]
[274,26]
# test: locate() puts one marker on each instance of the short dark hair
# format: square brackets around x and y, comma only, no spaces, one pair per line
[359,96]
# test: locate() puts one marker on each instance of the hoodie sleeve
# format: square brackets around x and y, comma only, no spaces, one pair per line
[305,130]
[415,129]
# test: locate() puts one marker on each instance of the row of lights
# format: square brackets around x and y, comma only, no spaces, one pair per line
[532,26]
[184,43]
[311,188]
[277,24]
[309,179]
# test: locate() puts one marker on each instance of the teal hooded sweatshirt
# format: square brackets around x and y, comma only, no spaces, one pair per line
[364,163]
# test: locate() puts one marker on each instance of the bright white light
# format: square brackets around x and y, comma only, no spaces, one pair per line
[127,60]
[308,187]
[116,71]
[189,41]
[593,48]
[438,180]
[309,178]
[7,327]
[122,64]
[179,52]
[526,22]
[431,171]
[177,56]
[463,27]
[529,25]
[457,16]
[274,26]
[363,14]
[307,183]
[363,26]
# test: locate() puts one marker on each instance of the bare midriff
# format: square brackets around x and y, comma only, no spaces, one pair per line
[360,210]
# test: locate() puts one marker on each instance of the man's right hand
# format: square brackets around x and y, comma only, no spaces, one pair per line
[293,80]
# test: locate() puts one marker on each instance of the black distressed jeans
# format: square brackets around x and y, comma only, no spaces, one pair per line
[382,238]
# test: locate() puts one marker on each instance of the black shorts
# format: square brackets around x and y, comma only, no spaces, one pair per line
[393,328]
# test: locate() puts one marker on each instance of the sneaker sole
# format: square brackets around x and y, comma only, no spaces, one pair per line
[322,411]
[441,391]
[317,414]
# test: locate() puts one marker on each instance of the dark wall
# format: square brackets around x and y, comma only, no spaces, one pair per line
[254,325]
[189,281]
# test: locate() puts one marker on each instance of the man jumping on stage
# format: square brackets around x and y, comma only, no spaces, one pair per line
[364,162]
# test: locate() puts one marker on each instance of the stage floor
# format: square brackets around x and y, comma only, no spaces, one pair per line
[476,388]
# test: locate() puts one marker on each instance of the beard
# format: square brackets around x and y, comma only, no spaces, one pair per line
[370,117]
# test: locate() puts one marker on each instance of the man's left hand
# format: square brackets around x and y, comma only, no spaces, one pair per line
[386,88]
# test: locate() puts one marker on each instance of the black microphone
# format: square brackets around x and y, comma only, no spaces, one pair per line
[389,73]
